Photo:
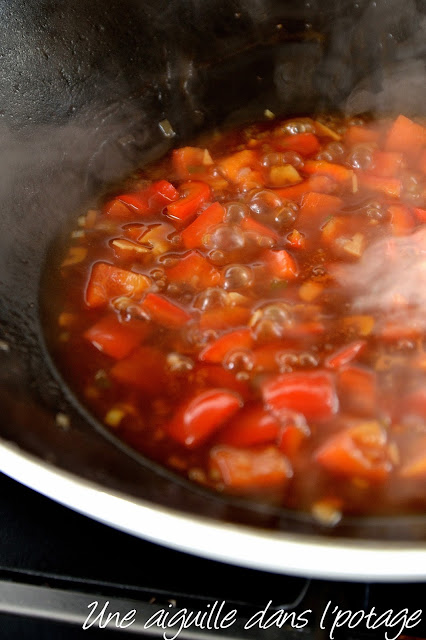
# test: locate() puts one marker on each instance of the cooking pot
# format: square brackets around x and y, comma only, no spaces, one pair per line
[86,89]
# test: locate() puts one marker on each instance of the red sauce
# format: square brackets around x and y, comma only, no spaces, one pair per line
[250,313]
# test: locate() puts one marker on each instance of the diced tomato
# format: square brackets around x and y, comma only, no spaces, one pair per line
[357,452]
[389,186]
[310,393]
[360,135]
[194,233]
[190,162]
[245,469]
[337,172]
[198,418]
[234,340]
[143,369]
[402,220]
[224,318]
[191,196]
[291,438]
[195,270]
[117,339]
[259,229]
[107,282]
[252,425]
[316,183]
[387,164]
[165,312]
[357,390]
[296,240]
[152,199]
[406,136]
[318,205]
[280,264]
[345,355]
[307,144]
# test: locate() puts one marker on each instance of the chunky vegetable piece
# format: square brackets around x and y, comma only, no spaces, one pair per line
[250,312]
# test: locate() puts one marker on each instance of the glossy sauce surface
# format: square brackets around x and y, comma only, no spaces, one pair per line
[251,312]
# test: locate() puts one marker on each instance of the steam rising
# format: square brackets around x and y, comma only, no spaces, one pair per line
[389,281]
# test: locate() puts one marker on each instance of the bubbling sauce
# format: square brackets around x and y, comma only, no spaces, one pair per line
[250,312]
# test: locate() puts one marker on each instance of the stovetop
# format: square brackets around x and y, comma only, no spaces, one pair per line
[63,575]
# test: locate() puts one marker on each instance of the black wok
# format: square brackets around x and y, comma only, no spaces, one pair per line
[83,88]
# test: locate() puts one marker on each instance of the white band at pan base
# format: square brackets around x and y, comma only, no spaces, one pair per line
[273,551]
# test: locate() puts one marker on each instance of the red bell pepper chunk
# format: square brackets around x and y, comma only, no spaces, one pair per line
[191,196]
[318,205]
[116,339]
[251,426]
[152,199]
[402,220]
[406,136]
[413,466]
[310,393]
[280,264]
[234,340]
[107,282]
[266,357]
[224,318]
[345,355]
[420,214]
[117,210]
[195,270]
[357,390]
[307,144]
[387,164]
[361,135]
[165,312]
[389,186]
[200,416]
[232,166]
[250,469]
[394,331]
[337,172]
[316,183]
[190,162]
[360,451]
[194,233]
[214,375]
[305,329]
[259,229]
[143,369]
[291,438]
